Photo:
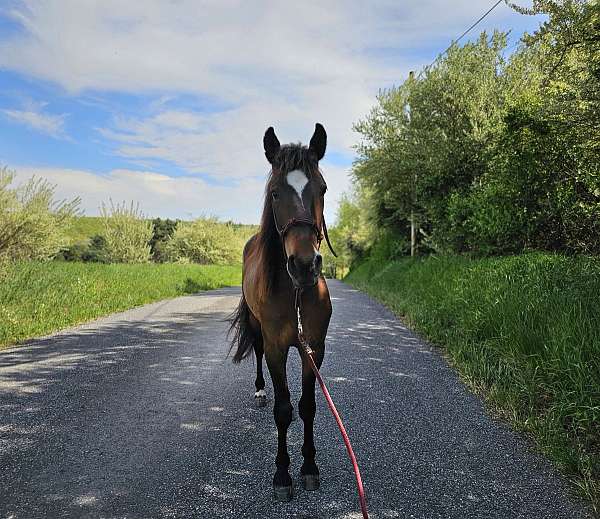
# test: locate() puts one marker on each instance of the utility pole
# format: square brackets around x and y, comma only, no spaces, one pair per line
[413,229]
[413,234]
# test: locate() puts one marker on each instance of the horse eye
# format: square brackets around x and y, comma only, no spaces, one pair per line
[275,195]
[323,190]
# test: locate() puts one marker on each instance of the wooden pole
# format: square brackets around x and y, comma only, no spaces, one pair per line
[413,234]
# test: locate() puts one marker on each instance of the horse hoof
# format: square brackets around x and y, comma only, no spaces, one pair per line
[311,482]
[260,398]
[283,494]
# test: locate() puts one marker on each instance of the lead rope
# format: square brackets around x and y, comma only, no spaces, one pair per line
[304,346]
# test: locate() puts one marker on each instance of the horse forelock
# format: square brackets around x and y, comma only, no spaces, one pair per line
[292,157]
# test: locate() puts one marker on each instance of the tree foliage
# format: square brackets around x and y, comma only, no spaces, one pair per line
[32,221]
[163,230]
[207,241]
[93,251]
[494,153]
[127,233]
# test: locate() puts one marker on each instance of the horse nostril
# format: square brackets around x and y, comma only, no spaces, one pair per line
[317,263]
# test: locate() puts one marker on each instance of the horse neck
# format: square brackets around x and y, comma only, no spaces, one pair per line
[274,277]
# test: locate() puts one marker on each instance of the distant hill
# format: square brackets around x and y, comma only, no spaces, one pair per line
[83,228]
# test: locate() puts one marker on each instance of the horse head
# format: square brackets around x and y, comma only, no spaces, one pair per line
[296,193]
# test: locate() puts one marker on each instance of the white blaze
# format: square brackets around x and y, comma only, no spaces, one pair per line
[297,179]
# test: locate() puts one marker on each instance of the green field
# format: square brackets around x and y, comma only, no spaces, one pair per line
[38,298]
[523,331]
[82,228]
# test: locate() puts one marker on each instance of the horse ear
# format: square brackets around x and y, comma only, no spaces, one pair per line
[318,141]
[271,144]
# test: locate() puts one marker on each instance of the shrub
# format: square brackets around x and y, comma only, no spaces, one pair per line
[97,251]
[162,232]
[127,233]
[73,252]
[32,222]
[94,252]
[205,241]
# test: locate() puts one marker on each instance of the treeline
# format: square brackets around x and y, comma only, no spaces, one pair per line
[35,226]
[489,150]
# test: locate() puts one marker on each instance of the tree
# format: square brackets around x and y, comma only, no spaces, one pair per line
[206,241]
[32,221]
[494,154]
[127,233]
[163,230]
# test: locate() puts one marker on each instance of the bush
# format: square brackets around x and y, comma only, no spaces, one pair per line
[163,230]
[97,251]
[74,252]
[127,233]
[206,241]
[93,252]
[32,222]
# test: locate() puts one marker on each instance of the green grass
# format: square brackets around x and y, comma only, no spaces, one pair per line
[38,298]
[523,331]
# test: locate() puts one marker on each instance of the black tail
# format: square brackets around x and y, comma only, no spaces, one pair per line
[244,336]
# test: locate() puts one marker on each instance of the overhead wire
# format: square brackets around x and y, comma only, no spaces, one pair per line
[455,41]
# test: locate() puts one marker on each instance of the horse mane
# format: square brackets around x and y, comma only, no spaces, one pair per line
[270,253]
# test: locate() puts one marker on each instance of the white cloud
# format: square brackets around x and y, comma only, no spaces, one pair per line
[229,49]
[157,194]
[172,197]
[52,125]
[280,64]
[224,145]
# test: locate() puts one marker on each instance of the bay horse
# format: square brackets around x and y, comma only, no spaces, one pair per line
[279,262]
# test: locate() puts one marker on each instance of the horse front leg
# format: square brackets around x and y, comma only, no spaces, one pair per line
[282,411]
[307,408]
[260,396]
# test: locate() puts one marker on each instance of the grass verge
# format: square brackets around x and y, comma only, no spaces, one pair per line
[523,331]
[38,298]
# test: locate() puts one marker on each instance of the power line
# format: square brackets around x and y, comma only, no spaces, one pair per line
[463,35]
[477,22]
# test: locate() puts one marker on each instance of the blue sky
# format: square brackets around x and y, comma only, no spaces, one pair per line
[165,103]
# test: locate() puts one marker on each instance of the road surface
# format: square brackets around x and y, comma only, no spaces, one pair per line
[140,415]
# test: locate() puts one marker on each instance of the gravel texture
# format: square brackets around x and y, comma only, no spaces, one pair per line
[141,415]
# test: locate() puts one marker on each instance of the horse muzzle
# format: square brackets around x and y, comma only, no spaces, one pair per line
[305,271]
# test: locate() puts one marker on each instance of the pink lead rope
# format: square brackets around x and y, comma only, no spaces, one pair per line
[309,354]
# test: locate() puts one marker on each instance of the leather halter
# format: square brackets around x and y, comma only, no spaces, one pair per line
[303,220]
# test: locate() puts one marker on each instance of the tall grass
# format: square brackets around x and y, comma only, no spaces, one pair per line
[37,298]
[523,331]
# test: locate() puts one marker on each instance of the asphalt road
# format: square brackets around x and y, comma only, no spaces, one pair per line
[140,415]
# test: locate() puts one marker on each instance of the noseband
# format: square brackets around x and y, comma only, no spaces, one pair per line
[303,220]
